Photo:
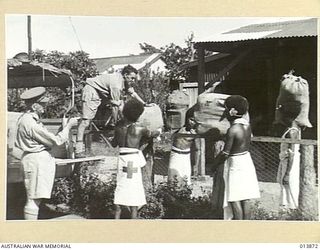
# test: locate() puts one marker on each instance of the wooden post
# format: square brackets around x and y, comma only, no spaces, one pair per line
[147,173]
[29,38]
[201,70]
[202,157]
[196,157]
[308,197]
[200,142]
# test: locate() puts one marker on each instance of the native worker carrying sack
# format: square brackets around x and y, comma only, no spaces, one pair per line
[293,89]
[209,114]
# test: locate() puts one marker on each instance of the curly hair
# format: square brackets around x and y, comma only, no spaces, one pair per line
[129,69]
[132,110]
[237,102]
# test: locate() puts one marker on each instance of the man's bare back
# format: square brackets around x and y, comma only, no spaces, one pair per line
[238,139]
[130,135]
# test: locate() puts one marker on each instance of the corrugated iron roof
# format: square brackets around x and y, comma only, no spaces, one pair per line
[297,28]
[106,63]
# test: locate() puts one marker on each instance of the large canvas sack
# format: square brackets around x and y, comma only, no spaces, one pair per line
[178,99]
[151,118]
[209,113]
[294,89]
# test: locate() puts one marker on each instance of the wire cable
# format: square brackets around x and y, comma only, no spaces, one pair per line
[75,32]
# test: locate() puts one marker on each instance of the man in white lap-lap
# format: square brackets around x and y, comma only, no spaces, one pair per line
[240,177]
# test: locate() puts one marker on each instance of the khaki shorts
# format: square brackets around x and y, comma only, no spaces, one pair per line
[90,102]
[39,171]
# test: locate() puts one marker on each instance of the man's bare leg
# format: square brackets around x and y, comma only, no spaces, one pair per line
[134,212]
[118,212]
[245,204]
[237,210]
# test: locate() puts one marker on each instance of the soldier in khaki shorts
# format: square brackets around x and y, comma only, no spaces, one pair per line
[34,141]
[108,87]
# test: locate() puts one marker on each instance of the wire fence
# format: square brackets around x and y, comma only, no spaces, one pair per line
[265,154]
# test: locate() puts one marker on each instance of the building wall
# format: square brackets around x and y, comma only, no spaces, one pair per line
[258,75]
[158,66]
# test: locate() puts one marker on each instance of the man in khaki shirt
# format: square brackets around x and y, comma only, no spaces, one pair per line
[110,88]
[34,140]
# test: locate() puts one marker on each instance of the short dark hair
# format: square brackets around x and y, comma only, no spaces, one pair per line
[129,69]
[132,110]
[237,102]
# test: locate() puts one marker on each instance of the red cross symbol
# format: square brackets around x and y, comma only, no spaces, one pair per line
[130,170]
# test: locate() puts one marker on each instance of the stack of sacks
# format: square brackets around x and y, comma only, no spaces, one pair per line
[293,89]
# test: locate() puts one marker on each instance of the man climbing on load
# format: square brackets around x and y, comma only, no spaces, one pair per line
[110,88]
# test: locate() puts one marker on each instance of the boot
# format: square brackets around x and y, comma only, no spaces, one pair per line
[80,150]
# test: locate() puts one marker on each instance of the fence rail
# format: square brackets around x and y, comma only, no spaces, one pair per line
[265,154]
[283,140]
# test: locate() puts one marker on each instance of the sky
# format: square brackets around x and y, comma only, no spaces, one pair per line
[113,36]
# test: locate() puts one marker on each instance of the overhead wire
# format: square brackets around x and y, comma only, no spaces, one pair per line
[75,32]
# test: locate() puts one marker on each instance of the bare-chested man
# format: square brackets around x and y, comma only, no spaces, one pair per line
[240,177]
[180,161]
[130,136]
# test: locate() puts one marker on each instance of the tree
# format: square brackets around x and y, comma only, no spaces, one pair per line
[174,56]
[153,87]
[149,49]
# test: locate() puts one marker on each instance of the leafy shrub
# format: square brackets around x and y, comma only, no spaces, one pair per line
[154,208]
[63,191]
[174,198]
[94,197]
[259,213]
[14,103]
[89,196]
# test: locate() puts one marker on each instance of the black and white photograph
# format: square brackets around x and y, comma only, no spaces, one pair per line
[161,118]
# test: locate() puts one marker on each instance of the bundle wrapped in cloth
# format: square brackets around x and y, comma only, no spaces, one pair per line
[209,114]
[151,118]
[293,89]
